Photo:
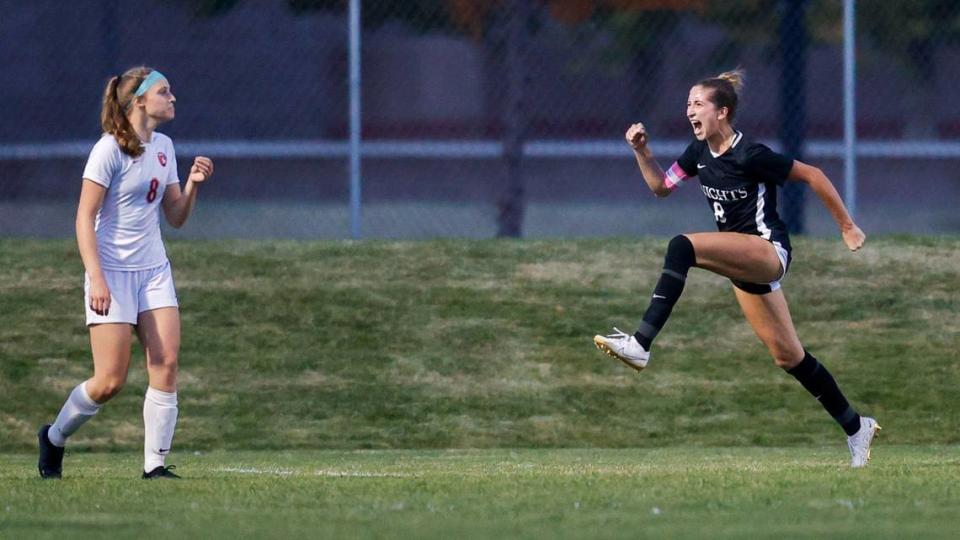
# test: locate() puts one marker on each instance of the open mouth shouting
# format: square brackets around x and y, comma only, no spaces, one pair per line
[697,128]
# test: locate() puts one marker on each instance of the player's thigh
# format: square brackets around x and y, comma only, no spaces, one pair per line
[739,256]
[769,316]
[159,333]
[110,344]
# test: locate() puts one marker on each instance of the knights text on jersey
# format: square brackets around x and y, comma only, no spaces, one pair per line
[128,223]
[740,185]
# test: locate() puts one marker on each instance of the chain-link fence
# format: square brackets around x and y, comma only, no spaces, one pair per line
[480,117]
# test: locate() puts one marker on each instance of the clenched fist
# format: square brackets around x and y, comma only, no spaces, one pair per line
[201,169]
[637,136]
[853,237]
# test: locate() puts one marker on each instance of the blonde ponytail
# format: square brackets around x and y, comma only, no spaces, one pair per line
[736,78]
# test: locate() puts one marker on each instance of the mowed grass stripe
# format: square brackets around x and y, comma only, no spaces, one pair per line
[484,344]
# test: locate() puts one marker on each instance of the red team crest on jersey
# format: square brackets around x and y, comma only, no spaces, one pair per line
[162,158]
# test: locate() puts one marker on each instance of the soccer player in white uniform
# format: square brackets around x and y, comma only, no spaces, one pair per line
[131,174]
[739,179]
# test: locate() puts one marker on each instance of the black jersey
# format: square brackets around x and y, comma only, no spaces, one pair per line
[741,186]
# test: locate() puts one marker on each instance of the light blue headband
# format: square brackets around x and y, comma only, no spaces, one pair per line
[153,78]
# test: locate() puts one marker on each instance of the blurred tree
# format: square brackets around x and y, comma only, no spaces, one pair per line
[907,32]
[209,8]
[420,15]
[638,37]
[910,33]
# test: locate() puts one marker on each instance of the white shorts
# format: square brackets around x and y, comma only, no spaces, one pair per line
[763,288]
[132,293]
[784,257]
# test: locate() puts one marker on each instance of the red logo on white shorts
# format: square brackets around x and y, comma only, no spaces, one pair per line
[162,158]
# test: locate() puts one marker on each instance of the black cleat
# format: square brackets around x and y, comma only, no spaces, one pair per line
[50,463]
[161,472]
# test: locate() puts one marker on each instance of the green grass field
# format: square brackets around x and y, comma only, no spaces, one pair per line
[679,492]
[372,359]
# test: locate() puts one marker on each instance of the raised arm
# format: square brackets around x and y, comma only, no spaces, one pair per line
[653,175]
[91,199]
[853,237]
[178,205]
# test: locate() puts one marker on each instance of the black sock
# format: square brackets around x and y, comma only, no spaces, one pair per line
[818,381]
[680,257]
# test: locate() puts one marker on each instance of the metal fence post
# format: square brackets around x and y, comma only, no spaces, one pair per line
[355,119]
[849,110]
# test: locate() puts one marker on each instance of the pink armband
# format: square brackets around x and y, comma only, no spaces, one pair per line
[674,176]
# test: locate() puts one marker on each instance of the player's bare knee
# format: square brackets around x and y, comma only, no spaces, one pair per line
[785,359]
[164,365]
[103,389]
[162,358]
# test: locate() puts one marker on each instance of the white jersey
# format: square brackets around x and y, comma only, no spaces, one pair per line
[128,222]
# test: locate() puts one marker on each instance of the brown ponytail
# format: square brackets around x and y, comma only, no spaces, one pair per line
[117,100]
[726,90]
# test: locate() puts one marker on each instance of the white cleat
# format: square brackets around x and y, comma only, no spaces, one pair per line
[623,347]
[859,442]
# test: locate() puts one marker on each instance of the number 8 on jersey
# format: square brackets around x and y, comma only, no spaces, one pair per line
[152,194]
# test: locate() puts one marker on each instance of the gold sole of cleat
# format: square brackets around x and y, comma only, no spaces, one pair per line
[876,428]
[603,347]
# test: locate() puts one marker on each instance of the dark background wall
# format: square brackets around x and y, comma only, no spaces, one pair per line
[263,72]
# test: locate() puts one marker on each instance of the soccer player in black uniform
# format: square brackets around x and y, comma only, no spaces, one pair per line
[739,178]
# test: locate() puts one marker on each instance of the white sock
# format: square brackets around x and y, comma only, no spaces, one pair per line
[159,421]
[75,412]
